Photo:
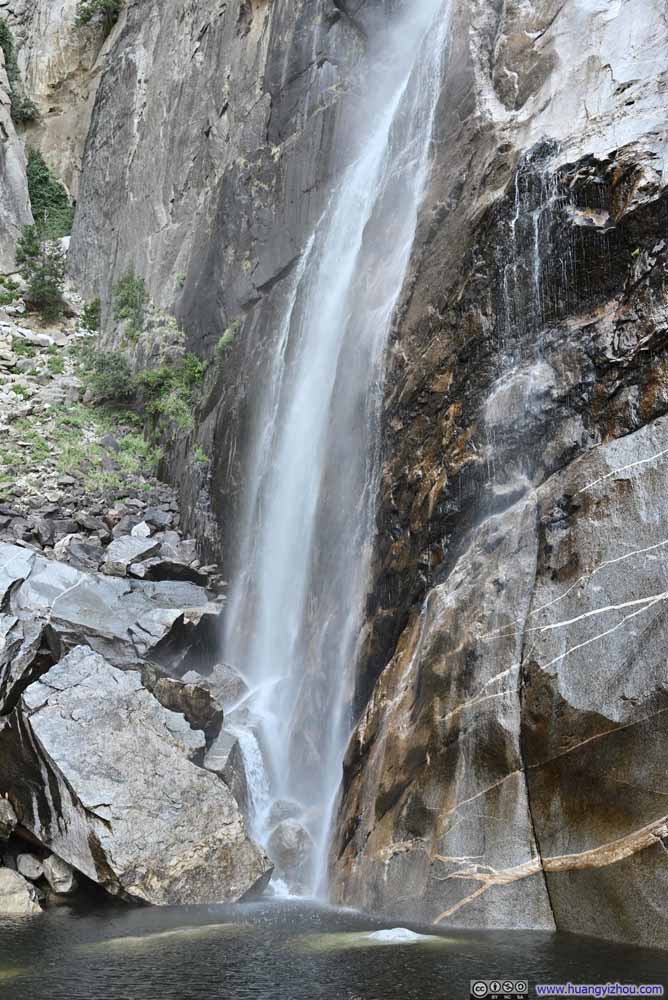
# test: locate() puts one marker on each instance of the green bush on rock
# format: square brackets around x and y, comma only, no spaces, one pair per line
[226,341]
[22,108]
[166,394]
[91,316]
[130,302]
[107,376]
[106,11]
[9,290]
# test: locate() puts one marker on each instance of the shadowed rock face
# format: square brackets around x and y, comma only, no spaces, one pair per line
[97,770]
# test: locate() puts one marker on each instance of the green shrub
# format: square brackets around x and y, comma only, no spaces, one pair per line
[130,302]
[107,376]
[22,108]
[193,369]
[91,316]
[42,266]
[22,348]
[9,291]
[226,341]
[50,204]
[168,392]
[201,456]
[106,11]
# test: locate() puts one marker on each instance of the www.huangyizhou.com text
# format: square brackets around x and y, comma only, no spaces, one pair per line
[599,989]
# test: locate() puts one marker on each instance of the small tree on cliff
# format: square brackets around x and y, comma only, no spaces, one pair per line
[42,267]
[22,108]
[105,11]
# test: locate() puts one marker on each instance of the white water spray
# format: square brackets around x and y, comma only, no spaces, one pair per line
[297,599]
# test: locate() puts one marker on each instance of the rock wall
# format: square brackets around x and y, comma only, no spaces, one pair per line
[506,769]
[208,161]
[14,201]
[61,65]
[503,770]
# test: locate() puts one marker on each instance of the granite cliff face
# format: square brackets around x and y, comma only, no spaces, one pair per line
[507,766]
[504,770]
[14,203]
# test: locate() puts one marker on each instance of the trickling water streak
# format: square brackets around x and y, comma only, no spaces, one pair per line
[297,601]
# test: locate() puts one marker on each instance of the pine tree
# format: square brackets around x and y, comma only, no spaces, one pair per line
[42,267]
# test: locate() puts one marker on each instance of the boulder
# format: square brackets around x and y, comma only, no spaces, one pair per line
[60,876]
[161,568]
[283,809]
[7,819]
[27,649]
[18,898]
[196,703]
[141,530]
[158,518]
[97,771]
[224,681]
[120,619]
[126,550]
[90,523]
[29,866]
[291,849]
[225,759]
[79,551]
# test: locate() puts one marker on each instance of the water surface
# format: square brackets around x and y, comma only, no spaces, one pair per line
[284,951]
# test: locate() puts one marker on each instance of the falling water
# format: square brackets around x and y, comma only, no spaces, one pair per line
[297,600]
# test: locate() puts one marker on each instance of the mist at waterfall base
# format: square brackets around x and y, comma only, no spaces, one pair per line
[285,951]
[297,597]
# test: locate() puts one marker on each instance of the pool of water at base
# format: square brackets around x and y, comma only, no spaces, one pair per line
[286,951]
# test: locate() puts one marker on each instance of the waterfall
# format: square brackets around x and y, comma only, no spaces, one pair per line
[297,598]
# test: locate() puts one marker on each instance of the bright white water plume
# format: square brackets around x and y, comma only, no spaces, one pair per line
[297,601]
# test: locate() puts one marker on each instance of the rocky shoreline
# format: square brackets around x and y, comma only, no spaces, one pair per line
[115,767]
